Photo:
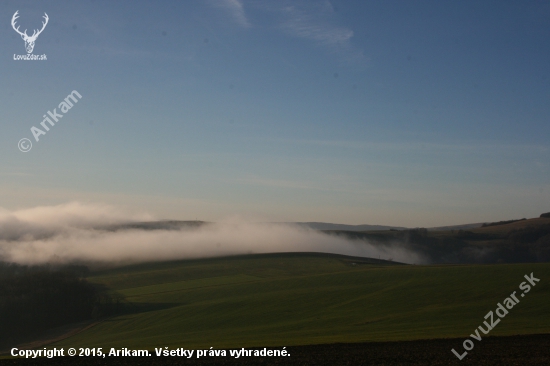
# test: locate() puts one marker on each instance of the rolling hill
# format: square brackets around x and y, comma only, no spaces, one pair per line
[297,299]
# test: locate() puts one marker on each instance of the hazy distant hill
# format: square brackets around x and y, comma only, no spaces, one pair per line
[343,227]
[518,241]
[155,225]
[329,226]
[177,225]
[457,227]
[325,226]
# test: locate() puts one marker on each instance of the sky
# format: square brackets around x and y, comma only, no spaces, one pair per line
[424,113]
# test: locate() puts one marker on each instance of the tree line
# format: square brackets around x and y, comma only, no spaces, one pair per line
[36,298]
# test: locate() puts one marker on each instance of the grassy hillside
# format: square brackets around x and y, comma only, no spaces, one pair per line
[294,299]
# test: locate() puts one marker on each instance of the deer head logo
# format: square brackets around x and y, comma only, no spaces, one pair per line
[29,41]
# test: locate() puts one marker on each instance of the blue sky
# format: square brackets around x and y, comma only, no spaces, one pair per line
[380,112]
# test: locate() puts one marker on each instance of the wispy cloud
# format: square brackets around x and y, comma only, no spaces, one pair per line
[235,9]
[310,22]
[314,21]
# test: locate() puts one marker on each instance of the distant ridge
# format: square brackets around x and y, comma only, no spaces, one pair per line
[343,227]
[155,225]
[457,227]
[324,226]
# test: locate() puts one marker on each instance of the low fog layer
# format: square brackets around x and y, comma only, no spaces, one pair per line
[73,233]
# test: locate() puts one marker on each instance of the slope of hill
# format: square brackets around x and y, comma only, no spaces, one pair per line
[296,299]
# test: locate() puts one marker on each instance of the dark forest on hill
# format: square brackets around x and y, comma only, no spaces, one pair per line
[525,245]
[37,298]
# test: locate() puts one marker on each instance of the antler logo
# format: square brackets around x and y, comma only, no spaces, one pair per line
[29,41]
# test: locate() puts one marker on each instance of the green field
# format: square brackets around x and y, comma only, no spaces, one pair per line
[297,299]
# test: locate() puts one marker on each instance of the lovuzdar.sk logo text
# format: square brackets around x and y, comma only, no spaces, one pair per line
[29,40]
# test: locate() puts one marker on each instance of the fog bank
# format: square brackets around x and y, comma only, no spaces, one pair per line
[75,232]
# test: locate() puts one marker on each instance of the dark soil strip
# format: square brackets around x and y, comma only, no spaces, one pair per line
[497,351]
